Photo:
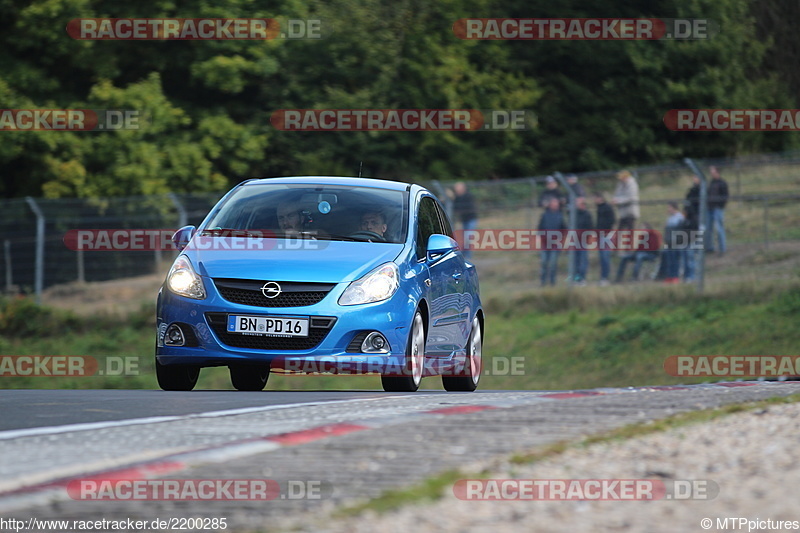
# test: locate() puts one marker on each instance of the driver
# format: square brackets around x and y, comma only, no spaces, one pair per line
[289,218]
[374,221]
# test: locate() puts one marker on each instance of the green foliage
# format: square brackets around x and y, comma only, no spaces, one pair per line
[22,318]
[787,303]
[206,105]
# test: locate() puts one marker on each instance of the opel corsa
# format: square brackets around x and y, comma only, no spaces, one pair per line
[321,275]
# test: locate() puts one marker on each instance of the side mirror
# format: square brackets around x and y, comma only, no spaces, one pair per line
[182,237]
[439,245]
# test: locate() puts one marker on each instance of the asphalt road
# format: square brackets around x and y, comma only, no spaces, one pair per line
[36,408]
[356,443]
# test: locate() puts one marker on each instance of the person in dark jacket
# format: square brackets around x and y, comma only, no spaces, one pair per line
[551,220]
[672,253]
[583,221]
[691,205]
[465,211]
[551,190]
[717,199]
[691,208]
[605,222]
[577,188]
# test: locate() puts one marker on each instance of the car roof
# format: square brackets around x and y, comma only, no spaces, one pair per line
[334,180]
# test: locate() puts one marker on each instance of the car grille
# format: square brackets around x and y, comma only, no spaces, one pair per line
[293,294]
[318,329]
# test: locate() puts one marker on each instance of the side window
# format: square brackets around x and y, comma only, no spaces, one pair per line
[447,228]
[427,224]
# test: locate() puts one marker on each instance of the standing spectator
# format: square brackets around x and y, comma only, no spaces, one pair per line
[465,211]
[675,221]
[626,198]
[551,220]
[605,221]
[583,221]
[691,207]
[717,199]
[577,188]
[551,190]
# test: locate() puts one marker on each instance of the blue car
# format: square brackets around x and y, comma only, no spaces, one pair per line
[321,275]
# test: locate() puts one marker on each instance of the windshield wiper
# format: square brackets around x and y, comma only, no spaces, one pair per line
[335,237]
[230,232]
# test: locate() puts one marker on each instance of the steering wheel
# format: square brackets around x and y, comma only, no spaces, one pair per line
[370,235]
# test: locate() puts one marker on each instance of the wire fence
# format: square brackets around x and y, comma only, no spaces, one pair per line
[37,227]
[762,209]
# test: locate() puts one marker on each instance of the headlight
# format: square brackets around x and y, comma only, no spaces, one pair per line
[378,285]
[183,280]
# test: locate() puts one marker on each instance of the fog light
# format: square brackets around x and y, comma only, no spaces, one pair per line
[174,336]
[375,343]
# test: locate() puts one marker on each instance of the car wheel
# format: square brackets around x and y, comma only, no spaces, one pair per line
[415,361]
[176,377]
[249,377]
[471,375]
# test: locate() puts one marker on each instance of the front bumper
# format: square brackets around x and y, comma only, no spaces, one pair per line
[214,345]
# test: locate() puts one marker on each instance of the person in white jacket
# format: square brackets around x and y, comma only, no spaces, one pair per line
[626,199]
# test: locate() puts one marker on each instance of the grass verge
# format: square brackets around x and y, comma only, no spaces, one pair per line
[551,339]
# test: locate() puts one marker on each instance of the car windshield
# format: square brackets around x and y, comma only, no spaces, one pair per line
[313,211]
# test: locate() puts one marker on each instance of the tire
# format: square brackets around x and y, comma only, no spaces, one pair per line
[467,381]
[177,377]
[415,360]
[249,377]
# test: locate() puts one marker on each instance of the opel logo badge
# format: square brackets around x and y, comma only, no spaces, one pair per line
[271,289]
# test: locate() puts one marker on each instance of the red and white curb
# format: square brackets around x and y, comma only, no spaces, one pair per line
[27,495]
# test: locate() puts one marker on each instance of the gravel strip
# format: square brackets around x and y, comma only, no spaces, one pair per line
[752,456]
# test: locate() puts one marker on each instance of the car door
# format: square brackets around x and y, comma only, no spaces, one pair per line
[443,272]
[459,290]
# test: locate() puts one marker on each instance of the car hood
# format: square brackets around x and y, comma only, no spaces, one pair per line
[331,262]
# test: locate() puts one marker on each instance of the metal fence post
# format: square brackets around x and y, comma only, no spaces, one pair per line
[183,216]
[529,211]
[40,220]
[700,262]
[7,257]
[183,220]
[81,267]
[738,178]
[573,219]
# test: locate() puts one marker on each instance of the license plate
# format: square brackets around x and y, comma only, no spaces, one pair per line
[272,326]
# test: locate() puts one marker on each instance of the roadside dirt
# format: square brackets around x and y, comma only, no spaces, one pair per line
[116,297]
